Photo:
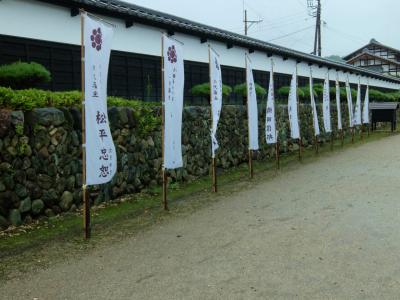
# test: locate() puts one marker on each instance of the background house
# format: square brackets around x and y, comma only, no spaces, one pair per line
[376,57]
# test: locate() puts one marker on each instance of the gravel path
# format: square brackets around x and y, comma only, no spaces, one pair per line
[326,230]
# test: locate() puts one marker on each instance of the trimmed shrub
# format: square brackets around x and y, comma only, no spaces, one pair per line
[203,90]
[21,75]
[241,89]
[34,98]
[283,92]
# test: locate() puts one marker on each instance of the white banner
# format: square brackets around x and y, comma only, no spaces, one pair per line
[174,78]
[357,113]
[252,112]
[349,103]
[216,97]
[270,123]
[313,106]
[101,158]
[292,108]
[327,106]
[338,108]
[366,107]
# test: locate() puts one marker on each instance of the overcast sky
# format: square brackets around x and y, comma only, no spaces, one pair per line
[348,24]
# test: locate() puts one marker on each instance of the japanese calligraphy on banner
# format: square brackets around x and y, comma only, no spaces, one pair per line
[314,107]
[338,108]
[349,103]
[365,115]
[357,112]
[292,108]
[216,97]
[270,123]
[101,159]
[252,112]
[327,106]
[173,102]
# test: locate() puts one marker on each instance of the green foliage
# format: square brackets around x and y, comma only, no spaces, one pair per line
[143,112]
[304,92]
[378,96]
[283,92]
[19,129]
[241,89]
[21,75]
[34,98]
[203,90]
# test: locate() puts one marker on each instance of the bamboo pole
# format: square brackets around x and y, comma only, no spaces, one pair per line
[277,157]
[164,171]
[214,175]
[352,134]
[342,137]
[251,173]
[316,144]
[332,141]
[86,201]
[298,117]
[213,160]
[362,132]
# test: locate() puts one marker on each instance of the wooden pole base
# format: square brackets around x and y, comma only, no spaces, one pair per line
[331,141]
[362,132]
[300,150]
[342,137]
[316,144]
[251,173]
[352,135]
[277,158]
[86,213]
[164,193]
[214,175]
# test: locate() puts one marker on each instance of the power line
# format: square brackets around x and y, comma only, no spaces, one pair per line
[291,33]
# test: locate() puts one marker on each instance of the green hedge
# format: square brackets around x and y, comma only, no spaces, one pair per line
[21,75]
[304,94]
[203,90]
[34,98]
[241,89]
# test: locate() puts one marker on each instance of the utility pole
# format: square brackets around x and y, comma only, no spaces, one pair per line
[315,11]
[247,23]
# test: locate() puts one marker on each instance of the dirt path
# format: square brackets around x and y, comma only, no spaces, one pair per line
[328,230]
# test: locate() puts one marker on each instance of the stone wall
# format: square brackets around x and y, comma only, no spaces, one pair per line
[41,170]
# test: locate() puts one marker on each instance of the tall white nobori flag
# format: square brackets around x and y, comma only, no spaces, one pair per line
[216,97]
[338,108]
[365,114]
[357,112]
[101,158]
[349,103]
[327,106]
[292,108]
[313,106]
[174,78]
[251,107]
[270,123]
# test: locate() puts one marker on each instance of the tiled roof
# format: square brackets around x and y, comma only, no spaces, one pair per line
[138,14]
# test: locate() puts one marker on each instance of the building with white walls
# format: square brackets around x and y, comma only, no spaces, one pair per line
[377,57]
[48,32]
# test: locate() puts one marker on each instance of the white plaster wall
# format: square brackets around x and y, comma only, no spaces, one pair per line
[38,20]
